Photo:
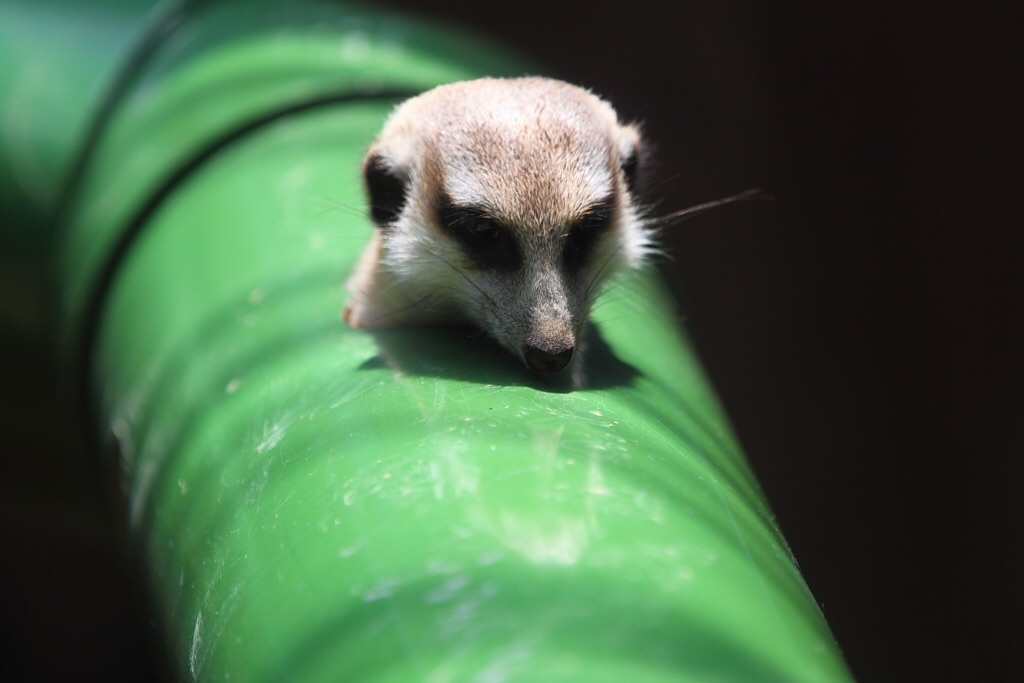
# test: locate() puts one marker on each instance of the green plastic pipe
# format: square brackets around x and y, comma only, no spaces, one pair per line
[316,503]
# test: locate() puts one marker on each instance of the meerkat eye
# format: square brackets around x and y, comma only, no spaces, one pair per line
[486,242]
[483,229]
[584,234]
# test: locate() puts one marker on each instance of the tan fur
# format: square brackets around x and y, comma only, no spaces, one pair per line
[534,154]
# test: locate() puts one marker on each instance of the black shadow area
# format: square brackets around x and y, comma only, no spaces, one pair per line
[467,354]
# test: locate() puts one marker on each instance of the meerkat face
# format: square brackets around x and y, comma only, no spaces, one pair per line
[505,203]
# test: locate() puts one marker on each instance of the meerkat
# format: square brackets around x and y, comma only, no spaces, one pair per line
[504,203]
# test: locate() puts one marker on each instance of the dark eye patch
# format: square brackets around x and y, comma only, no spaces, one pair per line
[629,170]
[386,191]
[487,242]
[584,233]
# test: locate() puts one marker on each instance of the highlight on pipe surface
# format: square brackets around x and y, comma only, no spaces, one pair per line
[316,502]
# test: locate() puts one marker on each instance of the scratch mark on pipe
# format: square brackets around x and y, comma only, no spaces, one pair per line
[197,642]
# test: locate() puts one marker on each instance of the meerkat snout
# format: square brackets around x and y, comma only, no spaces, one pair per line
[504,203]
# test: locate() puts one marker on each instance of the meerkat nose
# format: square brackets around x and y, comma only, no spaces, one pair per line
[546,361]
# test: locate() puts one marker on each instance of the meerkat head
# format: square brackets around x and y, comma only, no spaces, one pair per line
[505,203]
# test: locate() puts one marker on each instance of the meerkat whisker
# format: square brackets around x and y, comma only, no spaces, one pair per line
[684,214]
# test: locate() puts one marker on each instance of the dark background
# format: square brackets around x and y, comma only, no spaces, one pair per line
[864,330]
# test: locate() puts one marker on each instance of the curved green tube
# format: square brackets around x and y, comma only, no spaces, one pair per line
[316,503]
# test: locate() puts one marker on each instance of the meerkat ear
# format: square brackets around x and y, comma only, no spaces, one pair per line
[385,187]
[632,153]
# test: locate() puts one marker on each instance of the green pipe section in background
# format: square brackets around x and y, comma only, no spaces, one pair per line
[54,59]
[316,503]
